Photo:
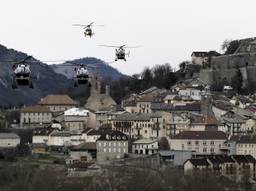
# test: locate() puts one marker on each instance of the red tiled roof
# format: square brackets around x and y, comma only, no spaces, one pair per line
[36,109]
[212,135]
[57,100]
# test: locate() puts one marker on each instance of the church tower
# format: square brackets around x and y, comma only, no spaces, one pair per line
[95,84]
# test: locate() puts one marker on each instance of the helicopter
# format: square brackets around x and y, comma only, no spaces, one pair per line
[120,52]
[22,74]
[87,29]
[81,75]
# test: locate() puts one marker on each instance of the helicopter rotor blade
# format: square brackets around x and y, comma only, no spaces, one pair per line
[110,46]
[90,24]
[132,46]
[79,25]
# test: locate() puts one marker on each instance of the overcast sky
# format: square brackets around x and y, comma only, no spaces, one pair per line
[168,30]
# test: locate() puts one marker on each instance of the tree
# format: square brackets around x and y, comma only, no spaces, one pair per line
[183,65]
[230,46]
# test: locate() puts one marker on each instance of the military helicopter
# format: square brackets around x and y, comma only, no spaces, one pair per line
[81,75]
[120,51]
[88,29]
[22,74]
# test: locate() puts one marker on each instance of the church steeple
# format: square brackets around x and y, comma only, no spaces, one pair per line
[96,85]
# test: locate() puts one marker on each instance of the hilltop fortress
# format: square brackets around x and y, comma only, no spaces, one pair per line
[223,68]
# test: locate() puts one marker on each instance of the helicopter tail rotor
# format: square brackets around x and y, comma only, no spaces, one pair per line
[128,53]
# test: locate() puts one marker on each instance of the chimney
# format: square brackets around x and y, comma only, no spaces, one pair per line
[107,90]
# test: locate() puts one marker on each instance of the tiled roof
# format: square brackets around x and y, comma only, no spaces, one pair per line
[145,141]
[210,120]
[61,134]
[57,100]
[42,131]
[84,147]
[113,136]
[137,116]
[211,135]
[223,105]
[200,54]
[196,106]
[9,136]
[243,159]
[36,109]
[244,139]
[199,162]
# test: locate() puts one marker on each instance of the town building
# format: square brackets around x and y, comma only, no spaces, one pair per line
[194,92]
[112,145]
[77,119]
[41,135]
[199,58]
[58,103]
[104,117]
[243,145]
[145,146]
[9,140]
[97,100]
[233,123]
[174,158]
[229,166]
[82,153]
[143,125]
[35,117]
[202,142]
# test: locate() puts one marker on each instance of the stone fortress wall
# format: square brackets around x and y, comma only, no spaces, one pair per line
[224,68]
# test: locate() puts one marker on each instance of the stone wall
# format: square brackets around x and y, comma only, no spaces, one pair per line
[224,68]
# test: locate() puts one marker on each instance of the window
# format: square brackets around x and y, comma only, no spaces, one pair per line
[212,150]
[204,150]
[212,143]
[189,143]
[196,143]
[204,143]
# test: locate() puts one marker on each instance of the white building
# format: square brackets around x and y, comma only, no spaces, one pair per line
[41,135]
[242,145]
[194,92]
[35,117]
[112,145]
[9,140]
[202,142]
[145,146]
[77,119]
[199,58]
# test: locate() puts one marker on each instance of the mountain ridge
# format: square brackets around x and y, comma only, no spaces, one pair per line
[50,81]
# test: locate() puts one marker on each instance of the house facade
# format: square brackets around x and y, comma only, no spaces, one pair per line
[201,142]
[112,145]
[35,117]
[145,146]
[9,140]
